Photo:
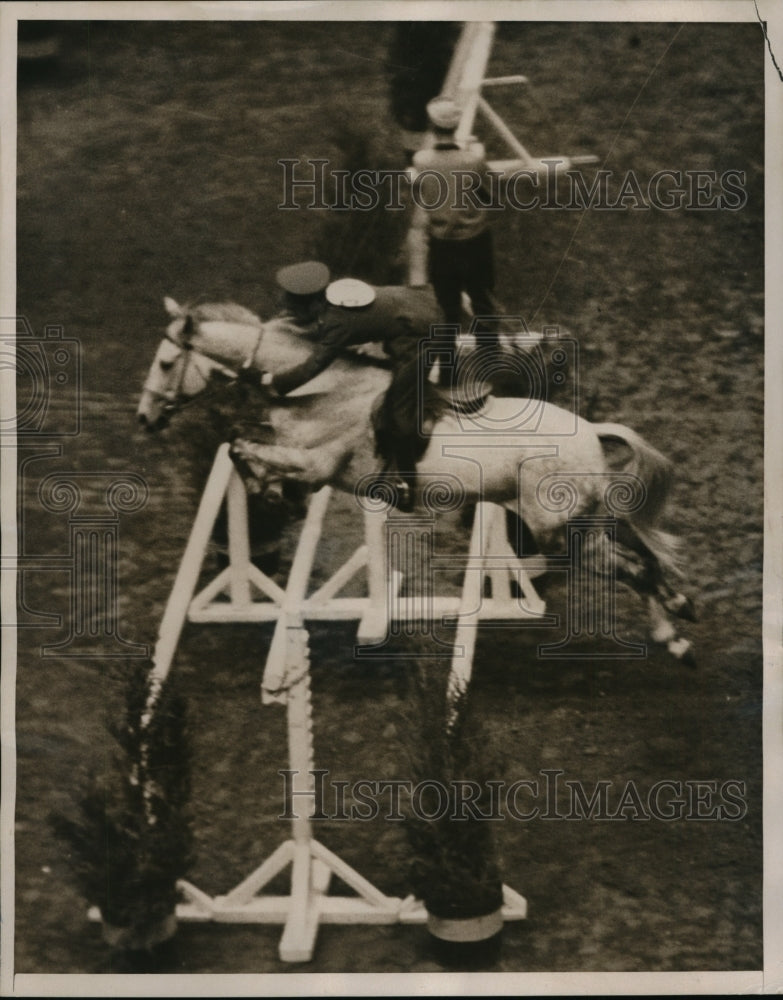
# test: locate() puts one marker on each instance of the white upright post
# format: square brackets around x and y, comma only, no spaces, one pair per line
[238,540]
[374,622]
[190,567]
[307,905]
[470,605]
[293,601]
[301,926]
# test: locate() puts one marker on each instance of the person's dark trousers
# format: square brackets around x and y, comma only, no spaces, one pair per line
[462,265]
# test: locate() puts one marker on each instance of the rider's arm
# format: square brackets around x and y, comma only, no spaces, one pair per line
[333,334]
[287,381]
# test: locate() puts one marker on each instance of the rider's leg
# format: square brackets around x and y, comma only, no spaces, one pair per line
[402,420]
[387,437]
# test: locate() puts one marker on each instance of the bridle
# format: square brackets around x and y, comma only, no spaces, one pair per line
[173,400]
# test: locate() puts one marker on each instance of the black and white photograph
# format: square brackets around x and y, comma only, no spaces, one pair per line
[391,481]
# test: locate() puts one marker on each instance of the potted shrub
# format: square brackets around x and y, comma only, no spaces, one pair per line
[130,840]
[455,869]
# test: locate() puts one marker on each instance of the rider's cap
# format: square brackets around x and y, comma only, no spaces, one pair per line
[307,278]
[350,293]
[444,113]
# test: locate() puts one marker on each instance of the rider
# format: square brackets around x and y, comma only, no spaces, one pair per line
[348,313]
[303,288]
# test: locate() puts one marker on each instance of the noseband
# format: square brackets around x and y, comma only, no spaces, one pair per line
[173,400]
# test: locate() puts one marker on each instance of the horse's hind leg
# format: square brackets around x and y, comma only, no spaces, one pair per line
[638,567]
[680,606]
[662,631]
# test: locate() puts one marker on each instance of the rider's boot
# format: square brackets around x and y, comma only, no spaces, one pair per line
[403,489]
[389,479]
[406,490]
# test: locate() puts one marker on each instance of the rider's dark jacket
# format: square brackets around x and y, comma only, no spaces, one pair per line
[399,318]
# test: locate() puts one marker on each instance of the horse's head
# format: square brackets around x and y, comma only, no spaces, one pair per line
[178,373]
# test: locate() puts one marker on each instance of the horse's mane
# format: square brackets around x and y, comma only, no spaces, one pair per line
[226,312]
[285,324]
[231,312]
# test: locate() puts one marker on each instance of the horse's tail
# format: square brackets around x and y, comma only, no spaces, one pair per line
[648,466]
[653,472]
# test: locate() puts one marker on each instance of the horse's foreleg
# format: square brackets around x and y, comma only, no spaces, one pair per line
[679,605]
[268,463]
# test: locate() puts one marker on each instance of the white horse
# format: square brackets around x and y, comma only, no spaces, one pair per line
[545,464]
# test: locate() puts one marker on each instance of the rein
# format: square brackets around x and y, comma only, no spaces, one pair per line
[175,402]
[182,403]
[248,362]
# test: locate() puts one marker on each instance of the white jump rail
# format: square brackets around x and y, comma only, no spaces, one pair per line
[312,865]
[464,83]
[248,595]
[241,593]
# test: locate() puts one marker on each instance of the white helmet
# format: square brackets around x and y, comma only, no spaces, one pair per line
[350,293]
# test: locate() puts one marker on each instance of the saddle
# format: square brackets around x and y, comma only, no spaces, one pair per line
[468,405]
[460,401]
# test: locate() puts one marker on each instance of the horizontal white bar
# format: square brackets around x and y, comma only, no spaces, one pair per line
[502,81]
[275,910]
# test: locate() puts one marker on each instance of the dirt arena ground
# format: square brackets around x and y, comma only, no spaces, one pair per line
[147,166]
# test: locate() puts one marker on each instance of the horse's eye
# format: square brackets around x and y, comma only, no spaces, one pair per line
[166,365]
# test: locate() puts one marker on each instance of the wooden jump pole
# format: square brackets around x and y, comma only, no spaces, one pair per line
[466,72]
[294,597]
[190,566]
[287,679]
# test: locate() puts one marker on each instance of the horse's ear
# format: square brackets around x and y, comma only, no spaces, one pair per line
[172,307]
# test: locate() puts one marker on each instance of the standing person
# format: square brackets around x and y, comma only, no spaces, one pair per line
[350,313]
[451,218]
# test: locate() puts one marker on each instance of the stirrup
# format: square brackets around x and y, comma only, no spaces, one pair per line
[388,480]
[405,492]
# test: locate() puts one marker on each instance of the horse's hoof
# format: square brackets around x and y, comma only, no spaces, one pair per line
[682,650]
[273,495]
[683,607]
[404,500]
[686,609]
